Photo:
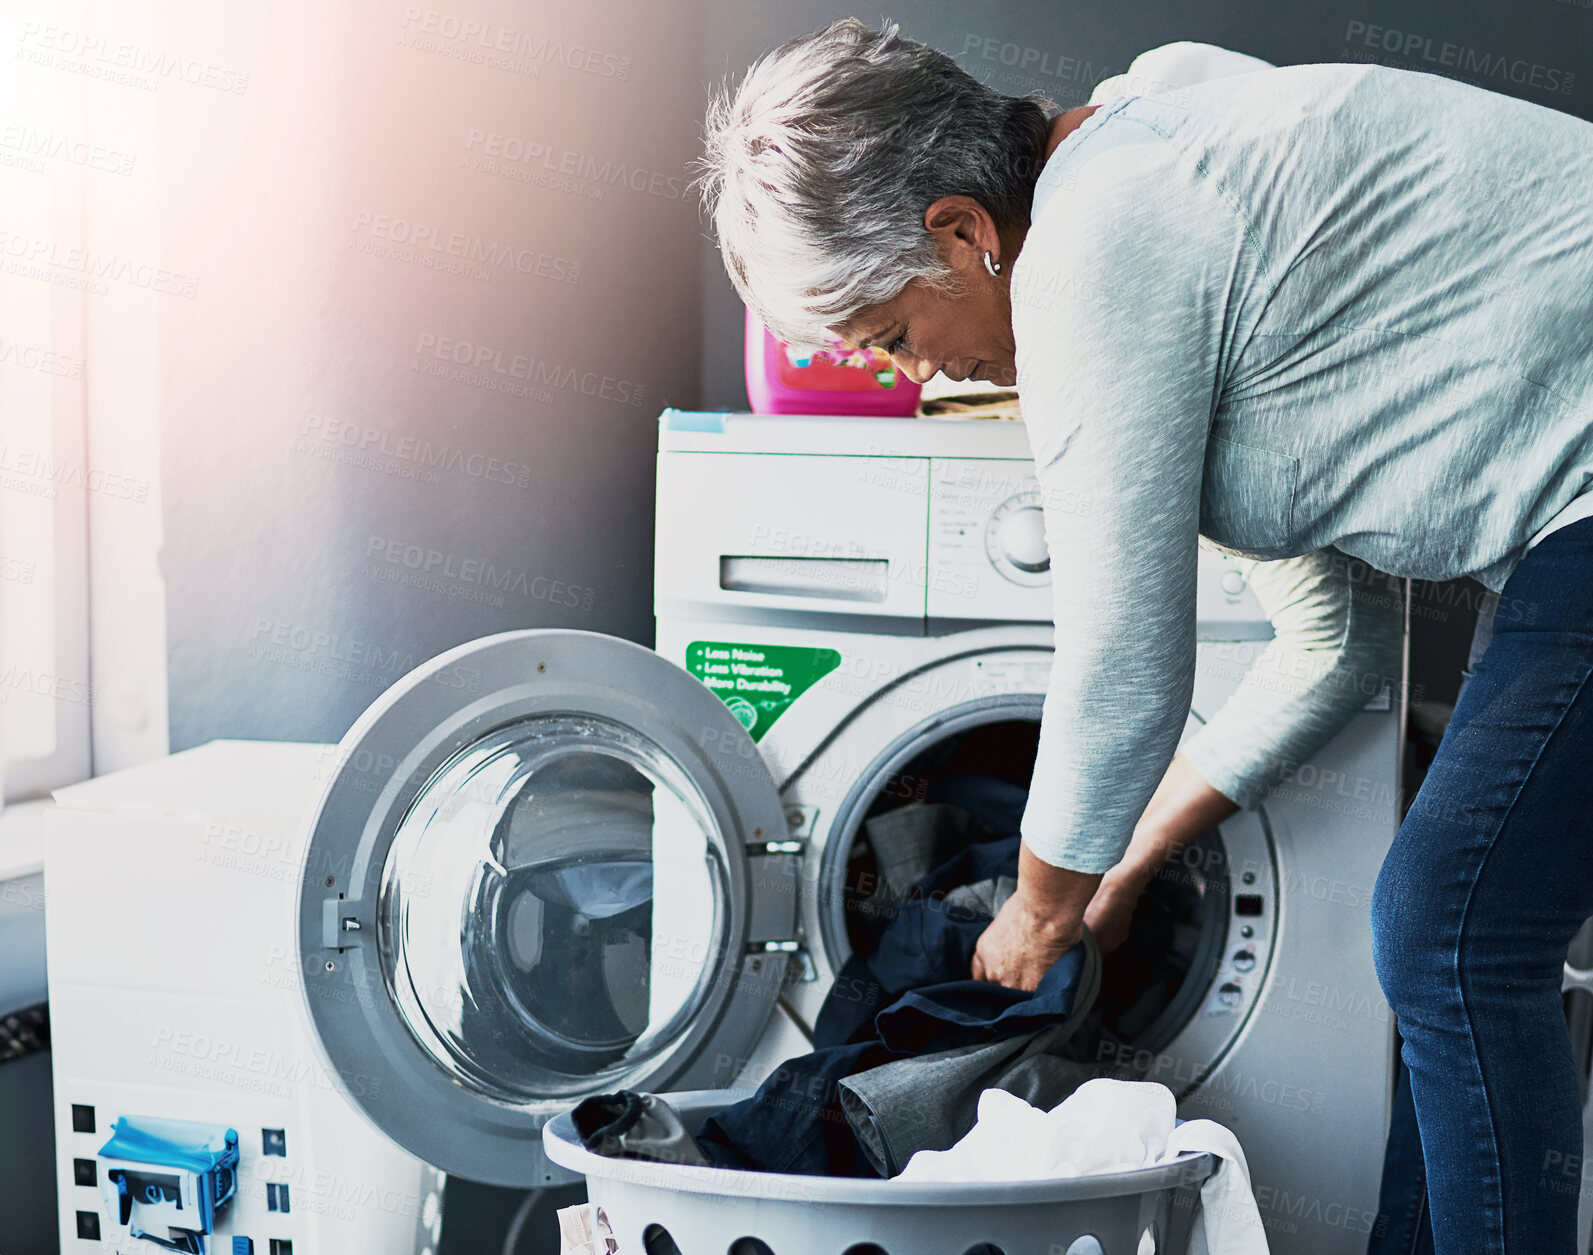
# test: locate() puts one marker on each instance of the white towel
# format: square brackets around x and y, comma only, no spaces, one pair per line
[1105,1126]
[1172,66]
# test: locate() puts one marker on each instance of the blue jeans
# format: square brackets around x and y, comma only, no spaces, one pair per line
[1489,878]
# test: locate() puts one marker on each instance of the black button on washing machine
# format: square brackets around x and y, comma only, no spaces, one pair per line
[1244,960]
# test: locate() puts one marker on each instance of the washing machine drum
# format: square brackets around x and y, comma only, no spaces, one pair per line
[963,777]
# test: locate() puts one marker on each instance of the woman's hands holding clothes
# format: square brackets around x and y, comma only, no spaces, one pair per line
[1046,916]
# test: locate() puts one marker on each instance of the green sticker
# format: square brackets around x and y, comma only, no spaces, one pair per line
[758,682]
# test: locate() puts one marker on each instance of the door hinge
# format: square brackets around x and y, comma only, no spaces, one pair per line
[799,963]
[756,848]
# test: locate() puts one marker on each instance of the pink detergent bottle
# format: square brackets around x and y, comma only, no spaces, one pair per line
[836,380]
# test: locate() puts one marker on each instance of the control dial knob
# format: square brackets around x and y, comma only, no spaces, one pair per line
[1015,540]
[1021,536]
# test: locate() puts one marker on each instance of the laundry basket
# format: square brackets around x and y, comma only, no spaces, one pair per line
[673,1209]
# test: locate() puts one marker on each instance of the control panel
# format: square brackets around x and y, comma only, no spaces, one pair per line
[987,551]
[988,558]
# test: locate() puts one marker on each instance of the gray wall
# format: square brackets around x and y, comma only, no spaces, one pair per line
[376,447]
[348,491]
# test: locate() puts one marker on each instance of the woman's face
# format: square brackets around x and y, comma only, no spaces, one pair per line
[964,332]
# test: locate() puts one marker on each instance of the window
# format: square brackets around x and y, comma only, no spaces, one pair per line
[79,440]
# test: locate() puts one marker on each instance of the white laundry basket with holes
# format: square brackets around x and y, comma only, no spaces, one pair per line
[674,1209]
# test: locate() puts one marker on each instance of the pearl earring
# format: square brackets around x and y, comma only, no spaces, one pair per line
[994,267]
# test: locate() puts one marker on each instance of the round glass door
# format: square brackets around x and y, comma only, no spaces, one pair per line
[546,865]
[552,908]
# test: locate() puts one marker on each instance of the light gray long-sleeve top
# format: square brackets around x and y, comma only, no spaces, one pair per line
[1321,312]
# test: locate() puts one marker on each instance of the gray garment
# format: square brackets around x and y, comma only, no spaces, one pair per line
[1319,306]
[910,842]
[985,897]
[930,1101]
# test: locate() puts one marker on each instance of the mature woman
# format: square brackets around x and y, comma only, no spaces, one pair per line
[1303,313]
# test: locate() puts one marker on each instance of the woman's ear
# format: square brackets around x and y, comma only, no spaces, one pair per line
[963,230]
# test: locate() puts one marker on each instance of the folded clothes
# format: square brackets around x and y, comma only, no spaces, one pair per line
[635,1126]
[1105,1126]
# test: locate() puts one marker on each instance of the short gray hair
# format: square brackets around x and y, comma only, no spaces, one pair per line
[819,167]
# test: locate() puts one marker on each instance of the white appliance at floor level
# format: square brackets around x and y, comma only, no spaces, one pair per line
[548,864]
[175,1006]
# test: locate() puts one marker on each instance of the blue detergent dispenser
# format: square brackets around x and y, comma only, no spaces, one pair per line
[165,1181]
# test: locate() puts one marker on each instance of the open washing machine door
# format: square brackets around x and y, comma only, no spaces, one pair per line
[546,864]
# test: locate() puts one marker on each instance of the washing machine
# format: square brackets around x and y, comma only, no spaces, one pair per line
[548,864]
[872,597]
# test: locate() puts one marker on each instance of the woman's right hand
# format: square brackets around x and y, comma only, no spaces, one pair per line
[1111,910]
[1183,807]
